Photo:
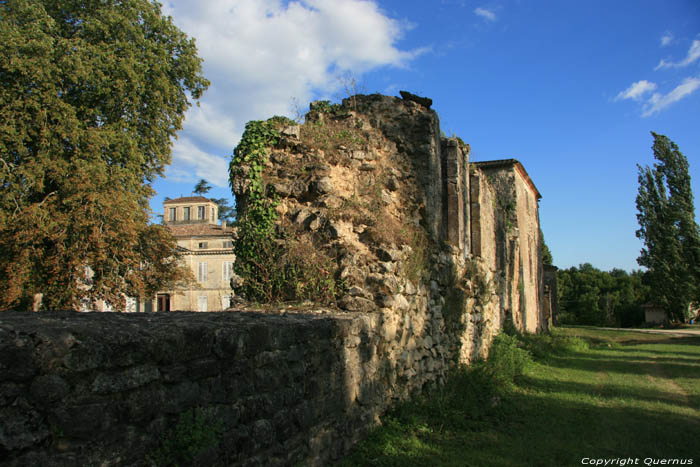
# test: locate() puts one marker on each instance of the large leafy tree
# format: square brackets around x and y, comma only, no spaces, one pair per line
[667,227]
[92,92]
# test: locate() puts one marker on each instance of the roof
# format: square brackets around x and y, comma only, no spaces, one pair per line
[199,230]
[500,163]
[188,199]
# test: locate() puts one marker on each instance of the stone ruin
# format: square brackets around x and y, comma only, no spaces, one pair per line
[433,256]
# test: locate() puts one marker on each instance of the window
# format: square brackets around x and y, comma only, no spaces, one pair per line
[173,214]
[202,244]
[202,302]
[186,213]
[228,243]
[200,212]
[212,214]
[202,272]
[225,302]
[227,272]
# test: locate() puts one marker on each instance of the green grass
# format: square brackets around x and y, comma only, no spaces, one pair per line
[586,393]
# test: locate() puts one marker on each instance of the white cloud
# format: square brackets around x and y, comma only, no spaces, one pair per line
[636,90]
[260,54]
[693,55]
[190,163]
[657,102]
[486,14]
[666,39]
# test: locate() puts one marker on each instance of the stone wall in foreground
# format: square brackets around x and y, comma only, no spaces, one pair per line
[109,388]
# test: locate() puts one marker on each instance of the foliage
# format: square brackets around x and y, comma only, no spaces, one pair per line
[195,432]
[507,360]
[226,211]
[275,263]
[666,216]
[92,95]
[202,187]
[590,296]
[545,346]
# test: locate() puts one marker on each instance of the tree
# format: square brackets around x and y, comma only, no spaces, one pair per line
[667,227]
[202,187]
[588,295]
[91,95]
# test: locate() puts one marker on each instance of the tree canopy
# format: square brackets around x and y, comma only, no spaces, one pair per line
[92,93]
[590,296]
[202,187]
[667,226]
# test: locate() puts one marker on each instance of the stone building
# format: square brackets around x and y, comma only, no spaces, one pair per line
[511,241]
[207,248]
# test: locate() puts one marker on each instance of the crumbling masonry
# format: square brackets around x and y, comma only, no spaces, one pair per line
[435,255]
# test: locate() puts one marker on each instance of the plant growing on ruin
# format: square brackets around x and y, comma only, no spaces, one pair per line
[275,262]
[196,431]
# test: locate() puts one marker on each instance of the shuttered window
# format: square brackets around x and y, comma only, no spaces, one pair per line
[202,276]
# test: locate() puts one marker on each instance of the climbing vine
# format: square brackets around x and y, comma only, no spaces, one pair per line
[274,262]
[256,224]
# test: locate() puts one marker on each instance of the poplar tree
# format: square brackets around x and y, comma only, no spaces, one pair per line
[667,226]
[92,92]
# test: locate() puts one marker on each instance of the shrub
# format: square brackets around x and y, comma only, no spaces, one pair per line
[546,345]
[506,359]
[195,432]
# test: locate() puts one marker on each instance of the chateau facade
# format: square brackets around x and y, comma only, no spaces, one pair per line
[207,248]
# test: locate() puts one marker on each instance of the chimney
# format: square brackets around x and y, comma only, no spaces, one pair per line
[223,225]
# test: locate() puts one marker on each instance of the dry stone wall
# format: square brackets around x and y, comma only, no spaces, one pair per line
[429,260]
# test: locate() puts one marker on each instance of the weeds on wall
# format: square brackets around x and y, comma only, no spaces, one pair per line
[195,432]
[482,288]
[329,126]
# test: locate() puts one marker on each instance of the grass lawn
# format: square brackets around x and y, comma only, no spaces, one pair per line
[589,393]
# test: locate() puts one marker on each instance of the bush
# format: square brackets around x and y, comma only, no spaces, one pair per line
[506,359]
[546,345]
[195,432]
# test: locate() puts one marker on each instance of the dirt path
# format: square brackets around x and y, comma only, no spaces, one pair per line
[673,332]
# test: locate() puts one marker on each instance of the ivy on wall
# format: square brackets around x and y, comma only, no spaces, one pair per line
[275,263]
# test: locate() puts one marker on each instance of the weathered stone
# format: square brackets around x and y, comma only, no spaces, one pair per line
[127,379]
[424,101]
[292,131]
[322,186]
[351,303]
[46,389]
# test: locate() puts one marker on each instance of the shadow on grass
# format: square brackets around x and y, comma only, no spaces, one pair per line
[548,419]
[606,391]
[539,431]
[623,365]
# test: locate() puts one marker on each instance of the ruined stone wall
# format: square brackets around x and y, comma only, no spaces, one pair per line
[277,389]
[430,253]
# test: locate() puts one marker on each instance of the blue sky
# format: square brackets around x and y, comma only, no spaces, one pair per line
[571,89]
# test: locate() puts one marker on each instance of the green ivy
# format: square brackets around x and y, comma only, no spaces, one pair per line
[256,225]
[274,263]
